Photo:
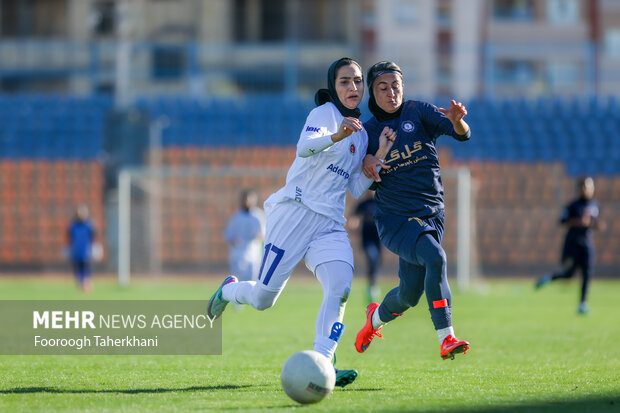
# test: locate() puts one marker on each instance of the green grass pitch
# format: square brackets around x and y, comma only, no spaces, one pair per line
[530,352]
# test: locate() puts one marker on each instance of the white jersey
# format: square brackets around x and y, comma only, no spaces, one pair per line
[323,171]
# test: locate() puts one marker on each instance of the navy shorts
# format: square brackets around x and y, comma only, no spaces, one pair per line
[577,255]
[400,234]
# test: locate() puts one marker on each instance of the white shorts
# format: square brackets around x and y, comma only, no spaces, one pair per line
[295,232]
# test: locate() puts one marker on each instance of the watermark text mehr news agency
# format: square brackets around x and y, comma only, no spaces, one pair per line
[89,320]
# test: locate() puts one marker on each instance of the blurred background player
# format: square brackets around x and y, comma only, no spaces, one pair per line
[581,217]
[410,205]
[364,216]
[305,218]
[244,234]
[80,243]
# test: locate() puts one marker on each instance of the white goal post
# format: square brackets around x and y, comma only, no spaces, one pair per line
[464,219]
[170,219]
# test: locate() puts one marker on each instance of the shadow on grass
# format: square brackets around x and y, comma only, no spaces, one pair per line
[599,404]
[362,389]
[283,406]
[121,391]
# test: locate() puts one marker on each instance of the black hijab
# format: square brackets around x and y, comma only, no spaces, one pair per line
[323,96]
[374,72]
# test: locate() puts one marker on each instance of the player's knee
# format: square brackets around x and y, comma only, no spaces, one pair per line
[341,286]
[263,304]
[264,300]
[343,295]
[409,298]
[437,261]
[336,278]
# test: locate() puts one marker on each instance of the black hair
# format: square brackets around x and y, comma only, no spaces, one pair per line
[245,195]
[323,96]
[374,72]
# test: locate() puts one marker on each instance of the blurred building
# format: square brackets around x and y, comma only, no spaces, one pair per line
[555,47]
[214,47]
[501,47]
[198,46]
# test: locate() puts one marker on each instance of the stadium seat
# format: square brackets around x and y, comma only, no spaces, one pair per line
[519,151]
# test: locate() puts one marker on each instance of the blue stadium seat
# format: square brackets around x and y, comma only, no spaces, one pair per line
[583,133]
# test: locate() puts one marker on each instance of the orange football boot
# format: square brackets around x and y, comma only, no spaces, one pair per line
[451,346]
[367,333]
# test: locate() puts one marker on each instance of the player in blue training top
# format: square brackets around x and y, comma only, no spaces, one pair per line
[581,217]
[410,208]
[244,235]
[80,238]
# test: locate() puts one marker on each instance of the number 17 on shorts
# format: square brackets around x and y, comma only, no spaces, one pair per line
[273,255]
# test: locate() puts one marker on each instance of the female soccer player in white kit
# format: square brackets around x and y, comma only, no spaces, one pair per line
[305,218]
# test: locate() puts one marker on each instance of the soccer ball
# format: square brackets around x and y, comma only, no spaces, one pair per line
[308,377]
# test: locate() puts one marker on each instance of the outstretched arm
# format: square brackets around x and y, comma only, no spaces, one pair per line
[455,114]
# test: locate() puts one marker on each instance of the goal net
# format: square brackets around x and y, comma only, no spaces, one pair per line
[171,219]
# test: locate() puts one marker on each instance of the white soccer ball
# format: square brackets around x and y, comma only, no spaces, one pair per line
[308,377]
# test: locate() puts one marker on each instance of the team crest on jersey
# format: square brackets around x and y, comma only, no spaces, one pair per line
[352,148]
[407,126]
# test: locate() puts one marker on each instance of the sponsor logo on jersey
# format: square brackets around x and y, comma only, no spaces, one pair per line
[312,129]
[407,126]
[418,220]
[297,194]
[337,170]
[352,148]
[406,154]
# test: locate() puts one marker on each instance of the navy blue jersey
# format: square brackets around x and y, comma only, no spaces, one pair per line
[366,210]
[581,236]
[412,186]
[81,236]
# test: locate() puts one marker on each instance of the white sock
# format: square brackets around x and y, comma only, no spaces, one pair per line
[442,333]
[376,320]
[250,293]
[323,345]
[335,278]
[239,292]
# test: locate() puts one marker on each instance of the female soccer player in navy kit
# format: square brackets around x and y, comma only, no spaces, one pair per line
[581,217]
[305,218]
[410,209]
